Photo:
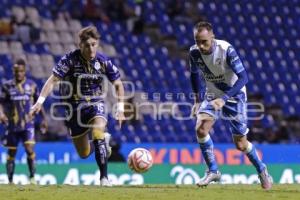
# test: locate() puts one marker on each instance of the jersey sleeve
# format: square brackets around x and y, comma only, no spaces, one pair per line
[112,72]
[236,65]
[234,61]
[197,79]
[3,93]
[194,69]
[62,67]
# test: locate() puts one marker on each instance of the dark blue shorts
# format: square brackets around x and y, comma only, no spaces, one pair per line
[12,139]
[79,123]
[234,113]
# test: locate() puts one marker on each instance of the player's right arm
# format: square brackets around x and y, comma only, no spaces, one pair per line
[198,84]
[3,117]
[60,70]
[3,97]
[46,90]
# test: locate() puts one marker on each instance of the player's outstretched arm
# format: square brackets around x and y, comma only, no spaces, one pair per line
[3,117]
[198,86]
[47,88]
[118,85]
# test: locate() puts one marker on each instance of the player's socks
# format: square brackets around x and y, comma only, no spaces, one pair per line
[10,168]
[101,156]
[207,149]
[253,157]
[31,164]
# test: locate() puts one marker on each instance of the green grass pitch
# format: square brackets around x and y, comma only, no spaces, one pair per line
[149,192]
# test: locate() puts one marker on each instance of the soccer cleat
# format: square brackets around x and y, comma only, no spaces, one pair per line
[209,177]
[265,179]
[107,137]
[32,181]
[104,182]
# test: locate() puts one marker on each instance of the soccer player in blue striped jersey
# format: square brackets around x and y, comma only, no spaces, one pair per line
[16,97]
[84,70]
[218,78]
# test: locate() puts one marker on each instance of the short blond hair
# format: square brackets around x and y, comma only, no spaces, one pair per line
[87,33]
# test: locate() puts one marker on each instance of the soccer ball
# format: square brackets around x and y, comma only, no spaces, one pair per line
[139,160]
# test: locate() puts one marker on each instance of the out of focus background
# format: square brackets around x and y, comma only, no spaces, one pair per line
[149,41]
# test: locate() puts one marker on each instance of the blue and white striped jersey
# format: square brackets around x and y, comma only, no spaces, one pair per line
[219,70]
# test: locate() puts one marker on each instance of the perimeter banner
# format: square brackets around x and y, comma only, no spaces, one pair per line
[169,153]
[119,174]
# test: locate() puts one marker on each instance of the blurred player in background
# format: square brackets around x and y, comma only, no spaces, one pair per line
[16,98]
[219,75]
[83,70]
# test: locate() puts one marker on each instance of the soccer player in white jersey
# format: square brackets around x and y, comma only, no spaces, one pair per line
[218,78]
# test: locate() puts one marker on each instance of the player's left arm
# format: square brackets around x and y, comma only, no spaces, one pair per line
[3,97]
[118,85]
[198,84]
[113,75]
[235,63]
[44,123]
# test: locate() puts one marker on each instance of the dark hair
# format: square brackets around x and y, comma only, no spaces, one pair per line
[203,25]
[20,61]
[88,32]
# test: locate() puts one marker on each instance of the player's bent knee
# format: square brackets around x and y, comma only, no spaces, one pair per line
[10,158]
[204,122]
[240,146]
[30,154]
[84,153]
[201,132]
[98,134]
[82,146]
[29,150]
[241,143]
[12,151]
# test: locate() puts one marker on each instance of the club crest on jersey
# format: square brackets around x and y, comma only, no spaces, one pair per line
[97,65]
[218,61]
[200,63]
[27,87]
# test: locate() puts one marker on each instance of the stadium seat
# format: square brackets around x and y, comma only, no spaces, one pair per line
[19,14]
[47,25]
[61,25]
[74,25]
[66,37]
[52,37]
[4,47]
[47,63]
[57,49]
[33,16]
[16,47]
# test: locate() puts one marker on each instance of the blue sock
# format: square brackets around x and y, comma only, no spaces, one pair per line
[10,169]
[253,157]
[207,147]
[101,157]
